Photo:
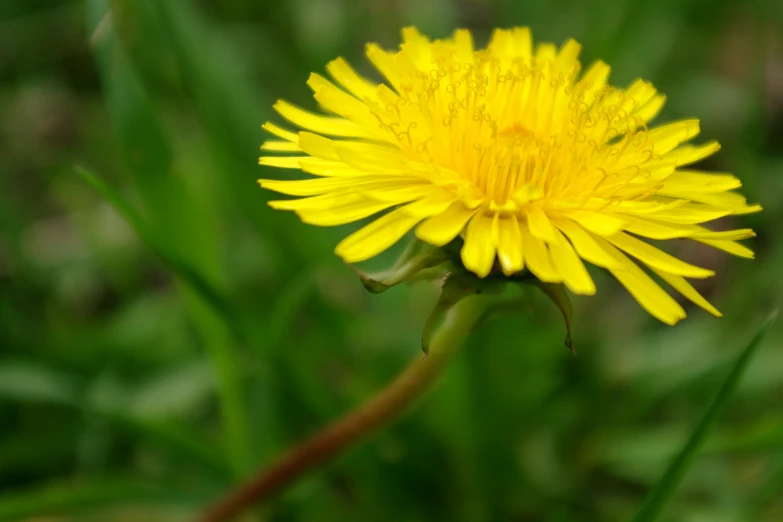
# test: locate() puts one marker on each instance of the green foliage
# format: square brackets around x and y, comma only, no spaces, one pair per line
[664,489]
[163,332]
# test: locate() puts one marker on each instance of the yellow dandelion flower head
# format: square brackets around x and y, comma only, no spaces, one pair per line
[533,163]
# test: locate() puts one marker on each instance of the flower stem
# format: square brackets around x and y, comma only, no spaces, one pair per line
[381,409]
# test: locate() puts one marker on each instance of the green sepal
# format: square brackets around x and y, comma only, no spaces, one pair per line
[414,262]
[421,261]
[457,286]
[557,293]
[519,304]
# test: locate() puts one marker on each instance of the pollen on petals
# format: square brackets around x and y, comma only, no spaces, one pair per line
[530,161]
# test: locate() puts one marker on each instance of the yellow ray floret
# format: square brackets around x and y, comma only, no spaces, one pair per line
[533,163]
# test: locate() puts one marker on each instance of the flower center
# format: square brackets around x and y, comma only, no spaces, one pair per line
[505,166]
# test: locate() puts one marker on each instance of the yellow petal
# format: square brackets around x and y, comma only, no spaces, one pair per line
[537,257]
[521,42]
[376,237]
[650,110]
[693,180]
[653,257]
[375,160]
[279,132]
[412,35]
[540,225]
[478,252]
[385,63]
[527,193]
[434,203]
[317,186]
[568,56]
[332,209]
[510,245]
[570,267]
[342,103]
[287,162]
[442,228]
[648,206]
[656,229]
[281,146]
[403,194]
[637,94]
[688,154]
[546,51]
[750,209]
[642,287]
[732,235]
[463,41]
[317,123]
[344,74]
[500,44]
[689,214]
[594,79]
[318,146]
[585,245]
[601,224]
[732,201]
[728,246]
[685,288]
[667,137]
[329,168]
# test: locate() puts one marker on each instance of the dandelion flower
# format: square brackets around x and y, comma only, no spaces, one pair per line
[514,151]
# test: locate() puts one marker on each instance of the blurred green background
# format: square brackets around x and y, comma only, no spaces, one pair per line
[151,357]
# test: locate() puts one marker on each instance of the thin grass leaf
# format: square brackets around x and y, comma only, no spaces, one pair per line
[767,493]
[213,301]
[179,266]
[176,441]
[29,383]
[147,151]
[176,207]
[232,110]
[141,137]
[280,321]
[662,492]
[89,496]
[24,383]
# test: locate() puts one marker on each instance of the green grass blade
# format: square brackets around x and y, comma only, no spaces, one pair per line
[142,139]
[232,110]
[89,496]
[27,383]
[213,301]
[663,491]
[175,440]
[179,266]
[279,323]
